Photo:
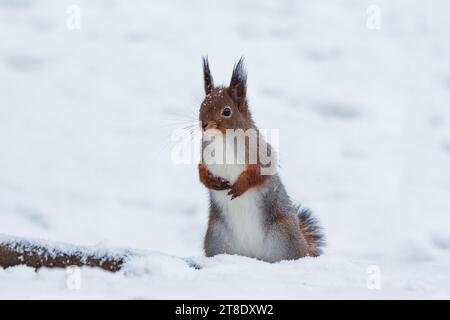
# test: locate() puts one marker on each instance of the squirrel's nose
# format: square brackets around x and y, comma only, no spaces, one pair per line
[209,125]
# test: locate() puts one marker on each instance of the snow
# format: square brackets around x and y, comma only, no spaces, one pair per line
[86,118]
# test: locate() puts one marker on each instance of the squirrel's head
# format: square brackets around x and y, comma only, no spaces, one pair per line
[225,107]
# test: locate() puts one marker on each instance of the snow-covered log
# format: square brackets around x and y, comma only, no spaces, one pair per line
[39,253]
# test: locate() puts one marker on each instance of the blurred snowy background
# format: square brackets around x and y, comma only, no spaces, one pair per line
[364,116]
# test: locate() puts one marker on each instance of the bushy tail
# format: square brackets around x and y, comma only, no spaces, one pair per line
[312,232]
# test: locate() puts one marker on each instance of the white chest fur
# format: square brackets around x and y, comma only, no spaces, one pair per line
[242,215]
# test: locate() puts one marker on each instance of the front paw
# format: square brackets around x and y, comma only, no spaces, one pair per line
[211,181]
[236,191]
[219,183]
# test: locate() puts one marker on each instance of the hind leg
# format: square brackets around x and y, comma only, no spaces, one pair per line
[285,241]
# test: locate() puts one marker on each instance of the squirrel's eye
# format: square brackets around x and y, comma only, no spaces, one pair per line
[226,112]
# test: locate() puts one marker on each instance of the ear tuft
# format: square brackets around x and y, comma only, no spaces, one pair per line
[207,77]
[238,83]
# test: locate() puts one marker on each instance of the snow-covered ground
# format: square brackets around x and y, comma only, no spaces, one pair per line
[85,151]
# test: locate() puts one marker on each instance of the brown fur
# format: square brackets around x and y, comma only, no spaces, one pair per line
[250,178]
[211,181]
[233,96]
[310,237]
[213,105]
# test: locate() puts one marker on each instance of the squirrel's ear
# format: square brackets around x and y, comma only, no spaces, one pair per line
[207,77]
[238,83]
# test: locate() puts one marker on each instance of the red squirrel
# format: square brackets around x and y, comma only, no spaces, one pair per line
[250,211]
